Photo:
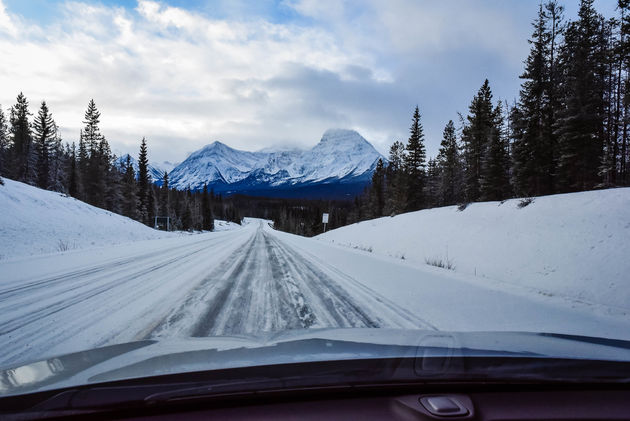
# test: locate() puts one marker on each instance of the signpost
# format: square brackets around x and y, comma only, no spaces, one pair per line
[162,223]
[325,220]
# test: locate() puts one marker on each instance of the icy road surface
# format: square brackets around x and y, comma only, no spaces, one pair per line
[246,281]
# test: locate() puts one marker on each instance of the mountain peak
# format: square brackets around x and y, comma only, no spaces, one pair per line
[341,154]
[342,135]
[216,145]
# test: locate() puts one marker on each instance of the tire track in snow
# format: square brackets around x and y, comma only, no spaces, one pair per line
[109,303]
[269,286]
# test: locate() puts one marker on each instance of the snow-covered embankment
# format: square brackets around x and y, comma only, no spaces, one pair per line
[35,221]
[571,245]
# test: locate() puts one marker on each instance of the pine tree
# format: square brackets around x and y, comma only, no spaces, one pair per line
[432,189]
[580,122]
[449,161]
[475,137]
[415,164]
[533,168]
[95,158]
[165,196]
[74,188]
[143,184]
[22,155]
[130,206]
[554,14]
[4,142]
[45,133]
[396,189]
[624,57]
[495,179]
[377,190]
[206,210]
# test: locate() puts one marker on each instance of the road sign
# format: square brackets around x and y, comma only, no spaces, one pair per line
[325,218]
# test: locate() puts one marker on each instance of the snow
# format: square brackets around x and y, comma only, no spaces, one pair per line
[250,279]
[35,221]
[340,153]
[220,225]
[573,246]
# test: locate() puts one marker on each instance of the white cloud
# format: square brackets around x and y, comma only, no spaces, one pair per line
[183,79]
[6,24]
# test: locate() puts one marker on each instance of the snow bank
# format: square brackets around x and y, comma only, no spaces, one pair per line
[220,225]
[572,245]
[35,221]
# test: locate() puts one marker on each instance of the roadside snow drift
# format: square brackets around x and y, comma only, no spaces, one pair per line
[35,221]
[573,245]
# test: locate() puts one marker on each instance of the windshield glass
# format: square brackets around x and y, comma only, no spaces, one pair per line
[181,182]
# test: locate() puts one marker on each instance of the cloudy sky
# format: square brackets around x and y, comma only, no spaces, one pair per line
[261,73]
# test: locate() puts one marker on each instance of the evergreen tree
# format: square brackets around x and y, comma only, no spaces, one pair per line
[45,133]
[495,179]
[143,184]
[475,137]
[580,122]
[624,108]
[95,158]
[73,174]
[4,142]
[206,210]
[432,189]
[165,196]
[377,190]
[21,150]
[532,170]
[554,14]
[415,163]
[130,207]
[396,189]
[449,161]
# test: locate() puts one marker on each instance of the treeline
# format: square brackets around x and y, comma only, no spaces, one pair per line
[567,132]
[33,152]
[297,216]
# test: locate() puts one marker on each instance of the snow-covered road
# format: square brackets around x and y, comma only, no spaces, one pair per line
[246,281]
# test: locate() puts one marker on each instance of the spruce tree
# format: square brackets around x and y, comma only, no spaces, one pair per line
[450,164]
[432,189]
[4,142]
[74,188]
[45,133]
[130,206]
[377,190]
[206,210]
[415,164]
[580,122]
[165,196]
[495,180]
[531,149]
[475,136]
[95,158]
[82,165]
[624,53]
[21,155]
[396,189]
[143,184]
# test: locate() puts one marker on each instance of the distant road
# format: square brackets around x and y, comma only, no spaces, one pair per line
[247,281]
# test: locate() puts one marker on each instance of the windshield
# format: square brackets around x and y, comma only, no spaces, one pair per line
[197,186]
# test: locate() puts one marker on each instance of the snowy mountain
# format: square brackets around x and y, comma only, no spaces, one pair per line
[340,165]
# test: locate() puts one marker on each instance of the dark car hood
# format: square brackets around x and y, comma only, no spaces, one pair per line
[154,358]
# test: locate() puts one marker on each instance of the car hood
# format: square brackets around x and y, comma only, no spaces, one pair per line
[182,355]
